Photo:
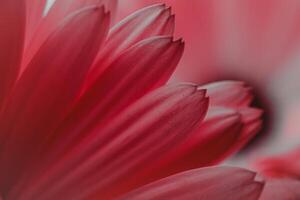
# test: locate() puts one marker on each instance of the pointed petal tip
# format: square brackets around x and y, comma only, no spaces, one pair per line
[168,9]
[179,41]
[157,6]
[251,114]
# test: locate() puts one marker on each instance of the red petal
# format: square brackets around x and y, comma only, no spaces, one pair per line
[281,189]
[216,183]
[58,12]
[148,22]
[12,23]
[149,126]
[48,87]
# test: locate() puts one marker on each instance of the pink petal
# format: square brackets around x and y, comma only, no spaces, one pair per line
[12,23]
[48,88]
[281,189]
[216,183]
[229,94]
[58,12]
[251,118]
[238,97]
[286,165]
[148,22]
[210,143]
[133,140]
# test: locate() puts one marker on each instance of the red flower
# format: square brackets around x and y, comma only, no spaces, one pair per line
[85,113]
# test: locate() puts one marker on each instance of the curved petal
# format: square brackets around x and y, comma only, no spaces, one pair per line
[216,183]
[12,33]
[54,79]
[152,21]
[114,155]
[238,97]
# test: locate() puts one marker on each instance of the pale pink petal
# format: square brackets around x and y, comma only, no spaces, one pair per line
[155,20]
[12,33]
[281,189]
[150,128]
[286,165]
[215,183]
[48,88]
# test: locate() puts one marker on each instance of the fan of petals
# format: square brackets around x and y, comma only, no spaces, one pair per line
[85,112]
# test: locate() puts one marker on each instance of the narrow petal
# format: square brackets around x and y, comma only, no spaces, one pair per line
[58,12]
[48,88]
[216,183]
[12,33]
[281,189]
[148,22]
[238,97]
[114,155]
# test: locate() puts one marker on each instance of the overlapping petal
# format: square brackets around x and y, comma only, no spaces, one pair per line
[154,125]
[237,97]
[121,84]
[84,122]
[151,21]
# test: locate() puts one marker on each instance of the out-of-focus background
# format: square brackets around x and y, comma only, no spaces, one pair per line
[256,41]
